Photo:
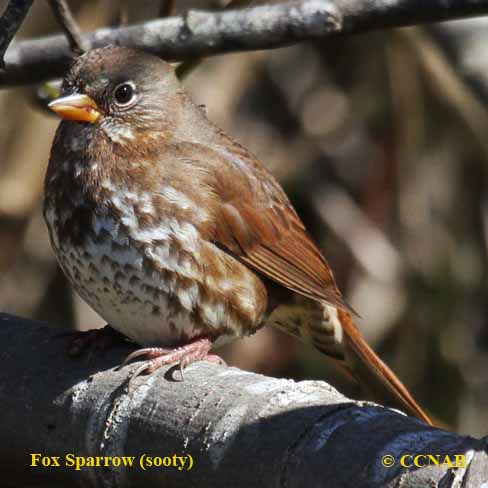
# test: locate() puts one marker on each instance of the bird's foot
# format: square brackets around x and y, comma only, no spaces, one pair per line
[94,340]
[157,357]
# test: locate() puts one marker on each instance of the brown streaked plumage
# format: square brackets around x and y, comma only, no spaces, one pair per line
[176,234]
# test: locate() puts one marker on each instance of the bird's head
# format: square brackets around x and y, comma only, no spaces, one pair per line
[121,91]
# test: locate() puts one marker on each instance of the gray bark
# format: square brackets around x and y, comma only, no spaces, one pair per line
[201,33]
[10,21]
[241,429]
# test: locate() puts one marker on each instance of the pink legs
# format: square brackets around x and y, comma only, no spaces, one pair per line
[156,357]
[197,350]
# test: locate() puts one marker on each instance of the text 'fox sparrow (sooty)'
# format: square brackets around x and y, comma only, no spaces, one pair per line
[178,236]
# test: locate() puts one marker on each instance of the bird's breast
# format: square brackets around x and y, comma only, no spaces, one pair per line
[149,272]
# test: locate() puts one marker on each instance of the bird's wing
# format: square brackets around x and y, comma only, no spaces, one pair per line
[257,224]
[273,241]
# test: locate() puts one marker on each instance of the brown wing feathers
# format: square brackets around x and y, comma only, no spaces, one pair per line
[283,252]
[264,231]
[287,255]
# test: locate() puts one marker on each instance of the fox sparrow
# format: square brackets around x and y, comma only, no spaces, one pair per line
[177,235]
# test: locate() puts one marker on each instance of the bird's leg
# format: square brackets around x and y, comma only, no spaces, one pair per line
[94,340]
[197,350]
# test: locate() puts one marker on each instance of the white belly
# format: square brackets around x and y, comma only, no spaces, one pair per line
[136,303]
[147,283]
[144,271]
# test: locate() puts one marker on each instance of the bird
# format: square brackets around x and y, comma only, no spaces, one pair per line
[177,235]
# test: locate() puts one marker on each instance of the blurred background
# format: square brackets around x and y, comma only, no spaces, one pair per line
[381,141]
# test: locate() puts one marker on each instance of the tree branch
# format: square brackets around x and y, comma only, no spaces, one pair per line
[201,33]
[63,14]
[240,429]
[10,22]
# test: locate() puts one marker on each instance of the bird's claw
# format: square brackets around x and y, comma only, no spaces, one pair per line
[157,357]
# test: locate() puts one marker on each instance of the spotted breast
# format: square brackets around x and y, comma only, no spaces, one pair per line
[134,252]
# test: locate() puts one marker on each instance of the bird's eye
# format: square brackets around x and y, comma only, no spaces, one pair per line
[124,94]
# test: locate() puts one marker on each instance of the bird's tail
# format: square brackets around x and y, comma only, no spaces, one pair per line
[373,373]
[331,330]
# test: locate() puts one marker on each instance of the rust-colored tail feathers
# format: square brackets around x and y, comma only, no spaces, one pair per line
[374,374]
[259,226]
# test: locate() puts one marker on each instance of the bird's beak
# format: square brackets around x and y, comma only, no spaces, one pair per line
[80,108]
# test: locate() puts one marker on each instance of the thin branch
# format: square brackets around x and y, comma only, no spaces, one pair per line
[201,33]
[185,68]
[447,80]
[10,22]
[194,35]
[240,429]
[66,20]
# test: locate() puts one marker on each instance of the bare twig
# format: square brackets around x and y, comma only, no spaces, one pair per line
[201,33]
[197,34]
[449,83]
[68,23]
[294,434]
[10,21]
[185,68]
